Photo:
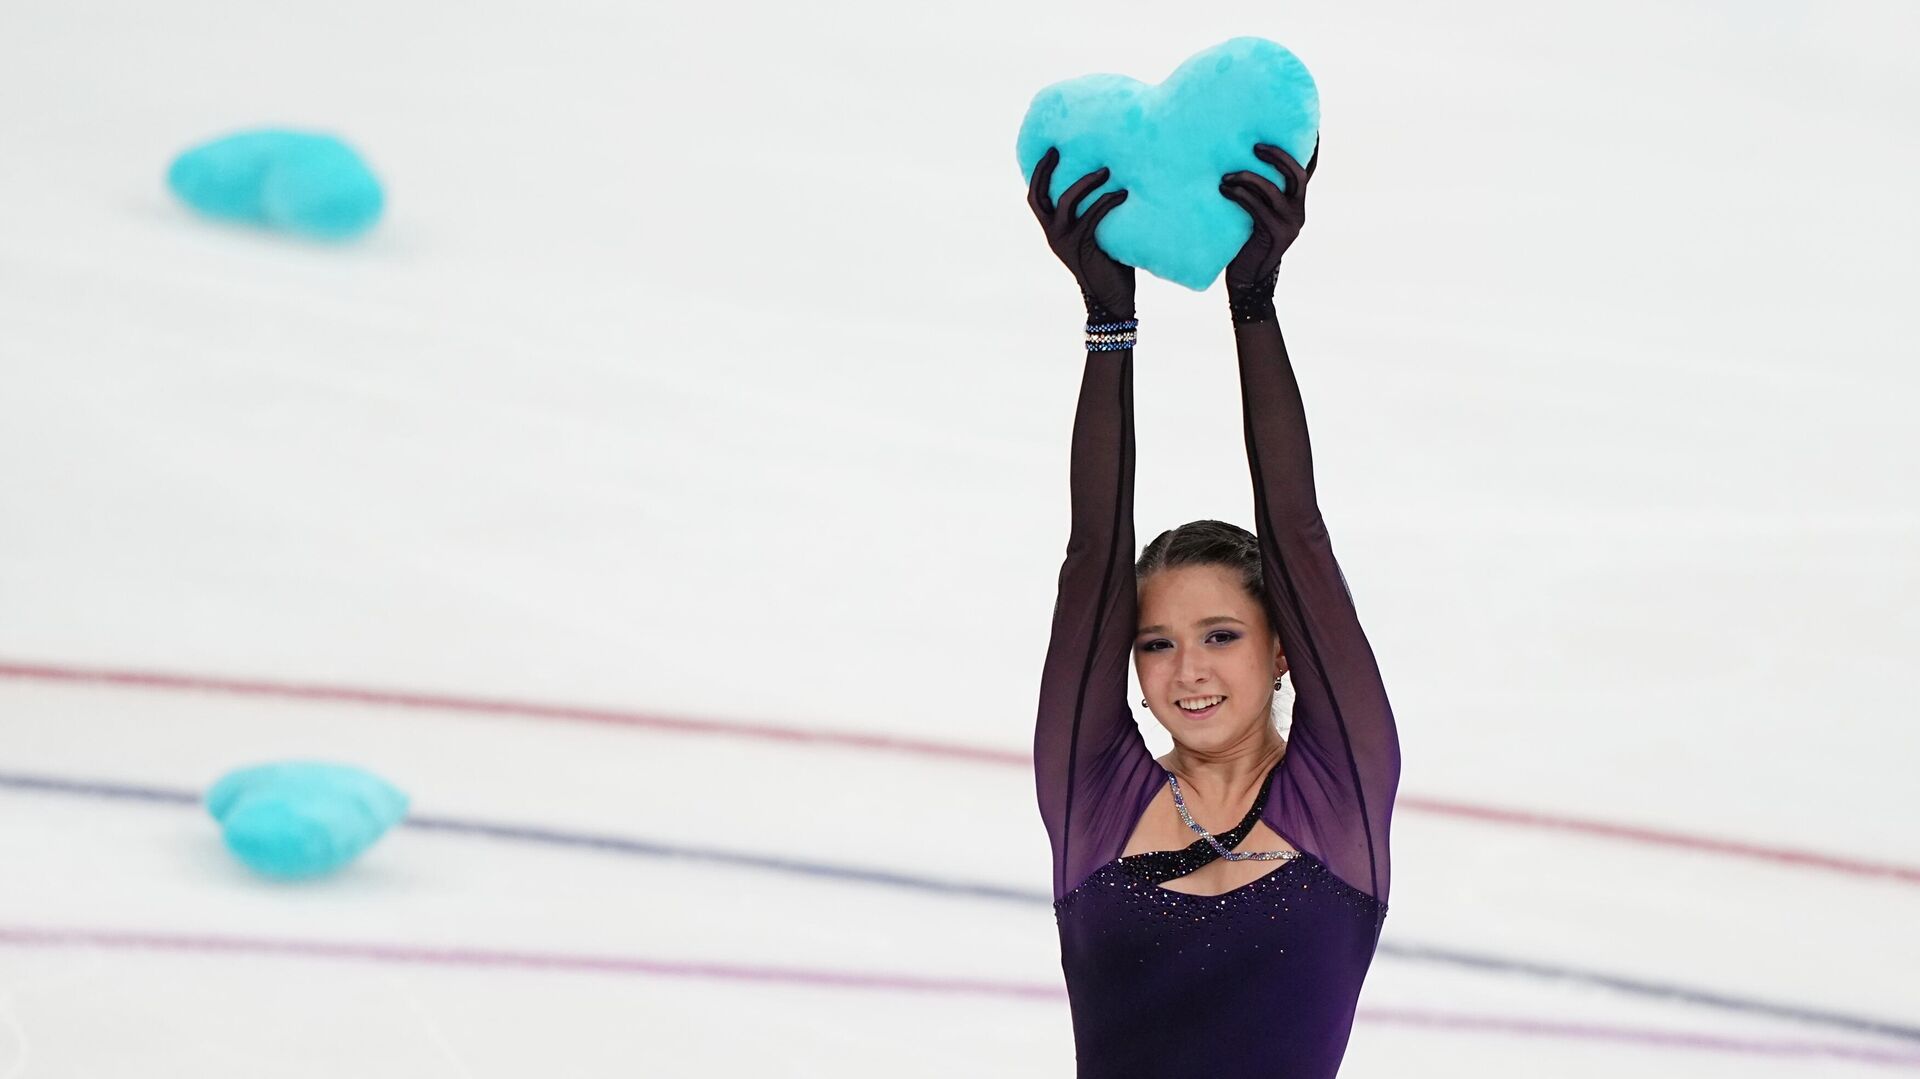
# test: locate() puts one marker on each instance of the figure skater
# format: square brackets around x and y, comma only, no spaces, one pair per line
[1241,952]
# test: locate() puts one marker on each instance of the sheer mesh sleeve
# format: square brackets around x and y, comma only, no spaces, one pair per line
[1087,749]
[1334,791]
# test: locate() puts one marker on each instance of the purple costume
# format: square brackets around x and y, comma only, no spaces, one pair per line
[1263,979]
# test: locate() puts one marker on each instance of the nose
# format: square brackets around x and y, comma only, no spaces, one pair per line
[1191,670]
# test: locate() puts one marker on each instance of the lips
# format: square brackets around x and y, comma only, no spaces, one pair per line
[1204,712]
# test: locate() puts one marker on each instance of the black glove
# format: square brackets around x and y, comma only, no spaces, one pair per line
[1278,217]
[1106,285]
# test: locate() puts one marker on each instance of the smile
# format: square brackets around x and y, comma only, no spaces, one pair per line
[1202,713]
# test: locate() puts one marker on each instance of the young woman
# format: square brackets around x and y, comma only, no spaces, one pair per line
[1240,952]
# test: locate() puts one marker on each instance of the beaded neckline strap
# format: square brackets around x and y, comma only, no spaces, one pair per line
[1157,866]
[1223,849]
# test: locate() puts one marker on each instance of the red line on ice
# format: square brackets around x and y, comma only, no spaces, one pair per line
[252,687]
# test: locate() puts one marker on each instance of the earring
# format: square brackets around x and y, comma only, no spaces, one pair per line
[1276,682]
[1144,704]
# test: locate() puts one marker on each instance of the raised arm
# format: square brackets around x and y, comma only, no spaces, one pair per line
[1085,740]
[1336,783]
[1086,744]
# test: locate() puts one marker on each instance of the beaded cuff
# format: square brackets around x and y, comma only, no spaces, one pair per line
[1108,336]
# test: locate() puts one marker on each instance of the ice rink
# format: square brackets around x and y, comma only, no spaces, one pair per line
[669,496]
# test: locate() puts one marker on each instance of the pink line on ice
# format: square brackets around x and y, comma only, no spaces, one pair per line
[495,958]
[490,957]
[1678,1039]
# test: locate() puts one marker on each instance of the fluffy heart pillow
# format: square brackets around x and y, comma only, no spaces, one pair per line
[1168,146]
[302,182]
[294,819]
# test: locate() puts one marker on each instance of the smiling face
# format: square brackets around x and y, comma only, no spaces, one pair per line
[1203,637]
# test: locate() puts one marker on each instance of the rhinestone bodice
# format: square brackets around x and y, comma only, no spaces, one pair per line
[1260,980]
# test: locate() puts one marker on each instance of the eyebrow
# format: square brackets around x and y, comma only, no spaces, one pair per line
[1215,620]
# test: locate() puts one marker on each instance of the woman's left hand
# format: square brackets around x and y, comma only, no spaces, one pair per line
[1278,217]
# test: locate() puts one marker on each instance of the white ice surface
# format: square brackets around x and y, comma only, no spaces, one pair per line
[710,363]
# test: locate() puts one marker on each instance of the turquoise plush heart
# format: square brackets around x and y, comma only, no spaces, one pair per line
[294,819]
[294,181]
[1169,145]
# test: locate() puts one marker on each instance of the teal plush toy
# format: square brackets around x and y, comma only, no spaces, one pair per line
[301,182]
[296,819]
[1169,145]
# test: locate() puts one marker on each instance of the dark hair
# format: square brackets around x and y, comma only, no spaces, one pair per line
[1206,543]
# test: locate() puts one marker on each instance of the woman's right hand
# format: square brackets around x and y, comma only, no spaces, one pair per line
[1106,285]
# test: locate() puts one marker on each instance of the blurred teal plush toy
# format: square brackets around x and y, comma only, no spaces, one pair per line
[298,819]
[1169,145]
[301,182]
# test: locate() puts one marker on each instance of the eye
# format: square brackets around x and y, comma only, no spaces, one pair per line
[1219,636]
